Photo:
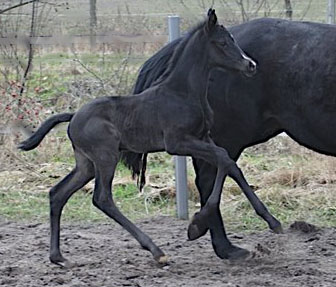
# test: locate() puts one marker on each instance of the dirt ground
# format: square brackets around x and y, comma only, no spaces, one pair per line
[106,255]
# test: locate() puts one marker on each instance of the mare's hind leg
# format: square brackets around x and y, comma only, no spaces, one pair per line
[105,161]
[59,195]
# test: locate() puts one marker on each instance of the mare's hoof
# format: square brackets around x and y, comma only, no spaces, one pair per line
[278,229]
[233,253]
[238,254]
[196,228]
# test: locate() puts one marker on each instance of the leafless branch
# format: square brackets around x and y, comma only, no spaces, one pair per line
[242,9]
[77,60]
[304,14]
[17,6]
[31,48]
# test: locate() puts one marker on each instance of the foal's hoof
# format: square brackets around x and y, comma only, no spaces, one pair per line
[162,259]
[64,263]
[196,228]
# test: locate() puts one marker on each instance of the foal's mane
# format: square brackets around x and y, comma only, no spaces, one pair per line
[178,50]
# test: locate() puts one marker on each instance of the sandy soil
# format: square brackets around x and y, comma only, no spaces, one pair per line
[107,256]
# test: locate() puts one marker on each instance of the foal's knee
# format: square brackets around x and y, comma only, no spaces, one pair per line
[53,195]
[54,201]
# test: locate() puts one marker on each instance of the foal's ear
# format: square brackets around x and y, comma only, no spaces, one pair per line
[212,19]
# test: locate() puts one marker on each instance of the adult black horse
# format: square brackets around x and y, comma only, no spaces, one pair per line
[294,91]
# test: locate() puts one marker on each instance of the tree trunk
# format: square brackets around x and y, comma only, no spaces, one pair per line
[93,22]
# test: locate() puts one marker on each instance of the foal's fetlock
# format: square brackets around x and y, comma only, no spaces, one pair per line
[197,227]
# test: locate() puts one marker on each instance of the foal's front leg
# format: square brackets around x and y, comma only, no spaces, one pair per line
[226,166]
[209,152]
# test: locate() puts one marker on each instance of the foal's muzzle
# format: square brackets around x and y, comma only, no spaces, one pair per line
[251,68]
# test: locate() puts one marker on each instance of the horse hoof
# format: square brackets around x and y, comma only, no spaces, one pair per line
[278,229]
[64,263]
[162,260]
[196,229]
[233,253]
[238,254]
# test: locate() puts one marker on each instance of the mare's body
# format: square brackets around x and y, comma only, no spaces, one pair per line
[294,91]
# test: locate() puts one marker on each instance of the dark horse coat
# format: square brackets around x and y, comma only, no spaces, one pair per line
[173,116]
[294,91]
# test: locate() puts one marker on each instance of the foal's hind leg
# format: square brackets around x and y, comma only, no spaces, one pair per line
[59,195]
[102,199]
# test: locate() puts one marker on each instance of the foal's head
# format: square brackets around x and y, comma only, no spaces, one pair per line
[223,49]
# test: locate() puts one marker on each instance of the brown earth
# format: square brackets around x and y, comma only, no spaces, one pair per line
[106,255]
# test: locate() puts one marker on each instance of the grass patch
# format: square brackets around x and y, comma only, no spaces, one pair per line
[27,206]
[294,184]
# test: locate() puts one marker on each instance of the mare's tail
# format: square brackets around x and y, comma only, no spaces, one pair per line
[33,141]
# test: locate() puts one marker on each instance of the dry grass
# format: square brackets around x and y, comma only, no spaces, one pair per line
[293,182]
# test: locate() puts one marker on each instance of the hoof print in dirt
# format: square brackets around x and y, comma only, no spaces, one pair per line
[262,249]
[303,227]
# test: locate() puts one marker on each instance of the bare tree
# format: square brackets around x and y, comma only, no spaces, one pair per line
[31,48]
[17,6]
[93,22]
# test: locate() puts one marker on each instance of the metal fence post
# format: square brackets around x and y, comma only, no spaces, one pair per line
[331,12]
[180,161]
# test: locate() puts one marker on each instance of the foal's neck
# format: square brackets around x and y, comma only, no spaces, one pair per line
[191,72]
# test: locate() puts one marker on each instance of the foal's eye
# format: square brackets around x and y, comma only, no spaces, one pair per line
[222,44]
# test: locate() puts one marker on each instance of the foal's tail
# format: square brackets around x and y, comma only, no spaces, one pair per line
[33,141]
